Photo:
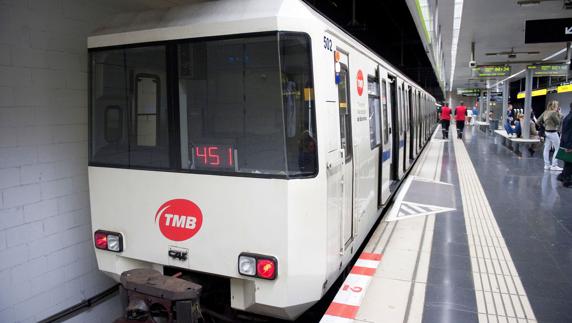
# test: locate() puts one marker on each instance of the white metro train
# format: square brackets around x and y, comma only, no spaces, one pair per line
[251,140]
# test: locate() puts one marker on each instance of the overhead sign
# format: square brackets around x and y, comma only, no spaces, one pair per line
[491,71]
[548,31]
[549,69]
[539,92]
[468,92]
[564,88]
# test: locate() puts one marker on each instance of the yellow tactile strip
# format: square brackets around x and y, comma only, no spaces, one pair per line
[499,292]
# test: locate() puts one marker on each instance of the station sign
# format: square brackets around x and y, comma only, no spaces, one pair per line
[549,69]
[491,71]
[539,92]
[548,31]
[468,92]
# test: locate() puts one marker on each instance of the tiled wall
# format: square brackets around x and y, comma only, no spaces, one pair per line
[46,257]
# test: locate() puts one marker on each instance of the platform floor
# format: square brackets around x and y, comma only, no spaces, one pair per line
[476,234]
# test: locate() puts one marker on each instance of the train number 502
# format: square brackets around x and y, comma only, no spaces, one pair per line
[327,43]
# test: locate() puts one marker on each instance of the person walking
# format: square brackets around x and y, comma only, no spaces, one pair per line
[566,145]
[460,114]
[445,120]
[551,119]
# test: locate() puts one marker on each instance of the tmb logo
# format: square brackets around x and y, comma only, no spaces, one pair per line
[179,219]
[360,82]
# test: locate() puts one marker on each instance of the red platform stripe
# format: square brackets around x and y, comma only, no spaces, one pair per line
[342,310]
[362,271]
[370,256]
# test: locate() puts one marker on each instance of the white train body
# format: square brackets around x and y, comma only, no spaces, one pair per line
[312,223]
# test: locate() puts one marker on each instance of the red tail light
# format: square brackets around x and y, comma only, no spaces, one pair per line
[100,238]
[266,268]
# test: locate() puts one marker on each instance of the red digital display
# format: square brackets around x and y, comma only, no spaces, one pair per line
[213,157]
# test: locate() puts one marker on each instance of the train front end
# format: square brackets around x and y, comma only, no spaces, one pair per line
[203,159]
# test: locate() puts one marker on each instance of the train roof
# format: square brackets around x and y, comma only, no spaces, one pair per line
[218,18]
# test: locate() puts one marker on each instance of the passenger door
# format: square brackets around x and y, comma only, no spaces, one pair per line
[386,147]
[346,146]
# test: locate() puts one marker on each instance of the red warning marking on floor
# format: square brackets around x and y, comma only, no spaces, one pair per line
[347,301]
[362,271]
[343,310]
[370,256]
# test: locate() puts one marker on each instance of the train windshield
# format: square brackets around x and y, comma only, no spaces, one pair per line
[226,105]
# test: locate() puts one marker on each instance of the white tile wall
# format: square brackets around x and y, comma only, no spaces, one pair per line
[46,256]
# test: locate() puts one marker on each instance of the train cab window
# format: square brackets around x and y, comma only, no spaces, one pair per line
[129,80]
[385,114]
[374,112]
[246,105]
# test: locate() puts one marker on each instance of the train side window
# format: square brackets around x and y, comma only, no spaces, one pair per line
[374,112]
[401,110]
[385,114]
[345,113]
[113,124]
[147,105]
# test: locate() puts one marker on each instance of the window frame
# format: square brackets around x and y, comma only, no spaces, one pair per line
[157,115]
[173,110]
[377,131]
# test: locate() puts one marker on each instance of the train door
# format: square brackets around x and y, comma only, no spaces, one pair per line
[403,134]
[412,118]
[397,135]
[385,178]
[419,123]
[346,146]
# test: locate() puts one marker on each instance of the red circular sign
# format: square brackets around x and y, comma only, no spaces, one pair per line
[179,219]
[359,82]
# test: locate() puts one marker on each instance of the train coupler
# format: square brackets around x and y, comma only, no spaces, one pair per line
[152,297]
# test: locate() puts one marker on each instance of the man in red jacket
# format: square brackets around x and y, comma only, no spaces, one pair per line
[445,120]
[460,114]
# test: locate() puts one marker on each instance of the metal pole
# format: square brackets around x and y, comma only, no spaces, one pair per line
[488,102]
[481,106]
[527,105]
[505,92]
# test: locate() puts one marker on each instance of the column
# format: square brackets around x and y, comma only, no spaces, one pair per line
[527,105]
[482,106]
[488,102]
[505,94]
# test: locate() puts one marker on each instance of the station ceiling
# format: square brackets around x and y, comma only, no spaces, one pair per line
[498,26]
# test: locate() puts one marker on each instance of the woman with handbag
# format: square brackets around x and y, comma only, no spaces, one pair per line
[565,152]
[551,120]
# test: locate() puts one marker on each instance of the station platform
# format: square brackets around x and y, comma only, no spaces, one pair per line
[475,234]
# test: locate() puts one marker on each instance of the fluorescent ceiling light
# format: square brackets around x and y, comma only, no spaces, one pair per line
[457,16]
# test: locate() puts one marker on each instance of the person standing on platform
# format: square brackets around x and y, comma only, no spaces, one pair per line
[460,114]
[445,120]
[475,114]
[551,120]
[566,144]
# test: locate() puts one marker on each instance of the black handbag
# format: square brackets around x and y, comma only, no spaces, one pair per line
[541,131]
